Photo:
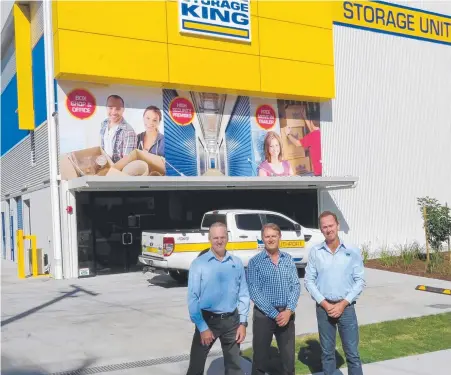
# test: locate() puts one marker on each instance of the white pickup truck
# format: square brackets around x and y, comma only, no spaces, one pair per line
[172,252]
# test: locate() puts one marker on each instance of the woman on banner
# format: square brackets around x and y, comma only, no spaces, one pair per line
[151,140]
[273,165]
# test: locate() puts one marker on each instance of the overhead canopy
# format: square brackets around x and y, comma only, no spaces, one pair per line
[116,183]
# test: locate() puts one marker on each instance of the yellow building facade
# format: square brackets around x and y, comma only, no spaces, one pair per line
[139,43]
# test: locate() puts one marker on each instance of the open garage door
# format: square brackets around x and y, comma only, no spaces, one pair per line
[112,213]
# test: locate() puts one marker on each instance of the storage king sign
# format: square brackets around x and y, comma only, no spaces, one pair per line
[227,19]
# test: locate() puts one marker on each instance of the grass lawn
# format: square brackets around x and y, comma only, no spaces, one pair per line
[378,342]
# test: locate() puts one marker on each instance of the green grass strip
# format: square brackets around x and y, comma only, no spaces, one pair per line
[378,342]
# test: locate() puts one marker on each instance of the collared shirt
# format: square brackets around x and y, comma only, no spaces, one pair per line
[272,285]
[123,141]
[334,276]
[217,286]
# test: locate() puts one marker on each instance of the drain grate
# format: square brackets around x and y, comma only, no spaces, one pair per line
[131,365]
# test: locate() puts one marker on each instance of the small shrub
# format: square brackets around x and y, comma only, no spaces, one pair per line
[365,252]
[387,258]
[436,262]
[438,221]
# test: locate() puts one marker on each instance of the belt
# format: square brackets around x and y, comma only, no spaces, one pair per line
[212,315]
[335,302]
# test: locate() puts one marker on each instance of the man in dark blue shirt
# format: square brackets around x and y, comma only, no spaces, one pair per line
[218,303]
[274,288]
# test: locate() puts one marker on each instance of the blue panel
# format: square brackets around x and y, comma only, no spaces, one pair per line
[239,140]
[180,142]
[19,213]
[39,93]
[10,132]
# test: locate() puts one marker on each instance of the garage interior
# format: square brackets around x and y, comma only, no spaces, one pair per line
[109,223]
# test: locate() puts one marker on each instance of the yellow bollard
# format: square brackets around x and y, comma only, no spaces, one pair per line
[20,255]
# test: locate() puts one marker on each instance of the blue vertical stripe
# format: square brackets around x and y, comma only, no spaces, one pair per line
[180,142]
[239,140]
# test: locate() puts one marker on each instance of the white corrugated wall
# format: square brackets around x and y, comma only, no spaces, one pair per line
[390,126]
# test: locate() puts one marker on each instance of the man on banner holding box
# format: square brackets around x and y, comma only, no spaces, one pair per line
[117,137]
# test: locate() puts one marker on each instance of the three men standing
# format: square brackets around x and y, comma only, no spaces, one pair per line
[274,288]
[334,278]
[219,299]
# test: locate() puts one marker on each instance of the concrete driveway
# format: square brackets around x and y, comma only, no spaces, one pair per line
[140,322]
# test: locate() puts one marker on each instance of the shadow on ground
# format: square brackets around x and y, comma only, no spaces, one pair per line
[311,357]
[70,294]
[9,368]
[165,281]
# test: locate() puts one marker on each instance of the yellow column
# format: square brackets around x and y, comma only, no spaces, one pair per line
[20,255]
[22,29]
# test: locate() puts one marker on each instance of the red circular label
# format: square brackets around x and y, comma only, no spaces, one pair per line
[265,116]
[181,111]
[81,103]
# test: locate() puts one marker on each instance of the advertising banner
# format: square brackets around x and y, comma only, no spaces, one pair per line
[114,130]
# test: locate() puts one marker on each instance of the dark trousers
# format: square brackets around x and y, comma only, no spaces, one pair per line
[225,329]
[263,330]
[348,329]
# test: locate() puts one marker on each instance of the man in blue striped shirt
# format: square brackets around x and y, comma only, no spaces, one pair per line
[335,278]
[274,288]
[218,304]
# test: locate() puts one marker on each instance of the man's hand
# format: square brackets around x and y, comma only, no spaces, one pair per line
[326,306]
[206,337]
[240,334]
[337,309]
[283,318]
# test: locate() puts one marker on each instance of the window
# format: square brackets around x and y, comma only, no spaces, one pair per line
[283,223]
[248,222]
[213,218]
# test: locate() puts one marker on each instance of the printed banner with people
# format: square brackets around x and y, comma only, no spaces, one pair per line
[108,130]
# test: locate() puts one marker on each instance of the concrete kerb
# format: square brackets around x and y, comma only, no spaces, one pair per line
[432,289]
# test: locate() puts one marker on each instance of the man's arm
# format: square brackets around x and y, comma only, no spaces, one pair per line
[358,273]
[129,142]
[296,290]
[253,281]
[311,274]
[195,313]
[243,296]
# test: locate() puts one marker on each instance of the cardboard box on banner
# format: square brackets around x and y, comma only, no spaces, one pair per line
[87,162]
[291,150]
[156,165]
[301,165]
[292,116]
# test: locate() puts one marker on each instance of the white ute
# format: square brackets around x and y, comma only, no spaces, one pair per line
[172,252]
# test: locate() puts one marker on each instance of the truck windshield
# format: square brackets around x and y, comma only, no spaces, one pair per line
[213,218]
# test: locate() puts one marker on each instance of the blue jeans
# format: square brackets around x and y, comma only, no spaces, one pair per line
[348,329]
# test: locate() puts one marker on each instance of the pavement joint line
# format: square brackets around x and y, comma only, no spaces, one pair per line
[132,365]
[432,289]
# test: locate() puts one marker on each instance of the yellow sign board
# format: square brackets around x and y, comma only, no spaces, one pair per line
[388,18]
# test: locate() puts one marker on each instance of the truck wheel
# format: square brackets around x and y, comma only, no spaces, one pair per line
[180,276]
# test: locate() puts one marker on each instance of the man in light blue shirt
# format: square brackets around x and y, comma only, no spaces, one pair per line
[218,304]
[334,278]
